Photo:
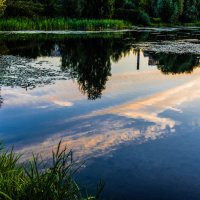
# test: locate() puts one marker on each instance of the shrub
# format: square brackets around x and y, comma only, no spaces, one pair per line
[126,14]
[23,9]
[143,18]
[134,16]
[156,20]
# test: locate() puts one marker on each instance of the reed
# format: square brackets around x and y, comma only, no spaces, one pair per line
[62,24]
[40,180]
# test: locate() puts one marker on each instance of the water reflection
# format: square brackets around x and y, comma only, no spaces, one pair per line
[42,79]
[101,132]
[86,60]
[88,63]
[176,64]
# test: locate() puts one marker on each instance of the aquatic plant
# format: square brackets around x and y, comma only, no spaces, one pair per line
[38,179]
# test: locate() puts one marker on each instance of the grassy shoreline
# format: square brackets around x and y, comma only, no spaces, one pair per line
[160,25]
[62,24]
[41,180]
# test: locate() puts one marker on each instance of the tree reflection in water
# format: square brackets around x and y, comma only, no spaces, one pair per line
[176,63]
[89,63]
[84,59]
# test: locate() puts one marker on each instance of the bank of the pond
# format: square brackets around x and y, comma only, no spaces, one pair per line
[39,180]
[62,24]
[164,25]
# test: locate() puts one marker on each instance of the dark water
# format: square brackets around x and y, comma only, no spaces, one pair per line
[127,103]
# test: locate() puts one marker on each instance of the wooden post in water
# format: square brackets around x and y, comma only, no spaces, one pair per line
[138,59]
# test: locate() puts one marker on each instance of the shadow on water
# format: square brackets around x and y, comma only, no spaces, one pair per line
[86,59]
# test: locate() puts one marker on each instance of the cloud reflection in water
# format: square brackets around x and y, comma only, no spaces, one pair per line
[102,131]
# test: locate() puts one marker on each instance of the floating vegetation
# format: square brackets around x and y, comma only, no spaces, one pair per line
[22,72]
[177,47]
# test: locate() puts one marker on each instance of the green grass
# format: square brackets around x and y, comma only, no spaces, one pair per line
[158,23]
[39,180]
[62,24]
[192,24]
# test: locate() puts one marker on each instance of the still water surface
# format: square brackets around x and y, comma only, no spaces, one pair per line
[126,103]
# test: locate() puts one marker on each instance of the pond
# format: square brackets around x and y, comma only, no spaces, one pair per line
[126,103]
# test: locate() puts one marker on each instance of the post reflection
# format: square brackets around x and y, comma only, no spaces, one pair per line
[1,99]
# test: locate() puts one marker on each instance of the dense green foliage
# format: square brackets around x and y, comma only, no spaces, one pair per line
[137,11]
[38,180]
[2,7]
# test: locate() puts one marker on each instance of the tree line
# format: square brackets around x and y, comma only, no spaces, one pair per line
[136,11]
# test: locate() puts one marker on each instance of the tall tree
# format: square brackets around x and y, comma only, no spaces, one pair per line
[106,8]
[165,10]
[149,6]
[98,9]
[52,8]
[191,11]
[2,7]
[72,8]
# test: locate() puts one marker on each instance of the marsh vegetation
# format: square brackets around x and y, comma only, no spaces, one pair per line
[41,180]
